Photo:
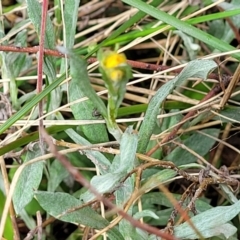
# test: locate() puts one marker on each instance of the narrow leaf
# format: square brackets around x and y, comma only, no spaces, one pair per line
[57,172]
[196,68]
[34,12]
[58,204]
[78,88]
[78,71]
[70,19]
[27,107]
[198,143]
[128,147]
[96,157]
[208,221]
[145,213]
[183,26]
[157,179]
[28,181]
[103,184]
[125,163]
[122,165]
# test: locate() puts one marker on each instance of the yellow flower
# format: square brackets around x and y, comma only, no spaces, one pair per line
[113,60]
[116,74]
[114,67]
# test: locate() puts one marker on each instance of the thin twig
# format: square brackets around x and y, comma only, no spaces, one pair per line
[79,178]
[11,209]
[39,224]
[134,64]
[215,90]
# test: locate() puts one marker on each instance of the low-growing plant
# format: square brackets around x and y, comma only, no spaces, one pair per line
[113,148]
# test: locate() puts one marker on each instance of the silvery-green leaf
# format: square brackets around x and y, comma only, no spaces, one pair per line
[28,181]
[70,15]
[96,157]
[145,213]
[57,172]
[198,143]
[209,223]
[157,179]
[103,184]
[196,68]
[58,205]
[128,148]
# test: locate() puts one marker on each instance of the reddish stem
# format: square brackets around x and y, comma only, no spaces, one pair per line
[134,64]
[80,178]
[40,65]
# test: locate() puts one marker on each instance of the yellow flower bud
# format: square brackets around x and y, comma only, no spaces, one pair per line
[113,60]
[116,74]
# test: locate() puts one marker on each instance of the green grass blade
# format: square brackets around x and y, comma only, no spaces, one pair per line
[27,107]
[183,26]
[31,137]
[135,18]
[148,29]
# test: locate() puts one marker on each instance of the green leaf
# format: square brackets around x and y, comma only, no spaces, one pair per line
[28,181]
[197,143]
[191,47]
[96,157]
[17,60]
[80,87]
[125,163]
[122,195]
[29,221]
[128,147]
[145,213]
[34,12]
[103,184]
[196,68]
[8,230]
[78,72]
[210,223]
[229,114]
[126,25]
[157,179]
[59,203]
[70,15]
[70,18]
[57,172]
[122,165]
[27,107]
[183,26]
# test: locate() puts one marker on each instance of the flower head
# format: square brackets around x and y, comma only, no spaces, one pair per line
[113,60]
[114,65]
